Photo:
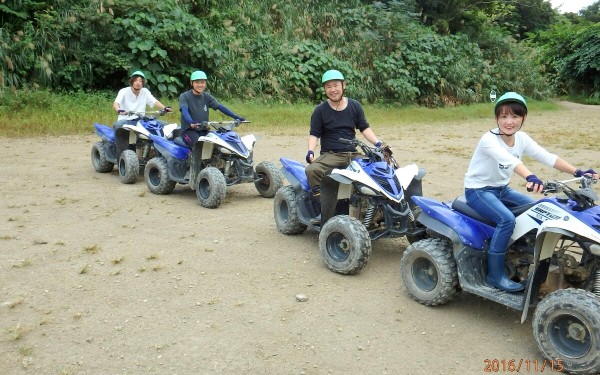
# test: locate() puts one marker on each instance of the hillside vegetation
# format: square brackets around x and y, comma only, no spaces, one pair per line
[426,52]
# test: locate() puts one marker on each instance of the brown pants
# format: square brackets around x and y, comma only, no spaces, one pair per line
[325,164]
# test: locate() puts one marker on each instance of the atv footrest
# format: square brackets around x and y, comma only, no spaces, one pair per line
[512,300]
[472,273]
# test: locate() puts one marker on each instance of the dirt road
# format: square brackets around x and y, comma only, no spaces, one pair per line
[97,277]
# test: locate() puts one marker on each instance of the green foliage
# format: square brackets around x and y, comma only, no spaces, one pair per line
[276,50]
[571,54]
[29,112]
[435,70]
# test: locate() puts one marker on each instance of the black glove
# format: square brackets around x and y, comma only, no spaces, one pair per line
[309,154]
[119,111]
[580,173]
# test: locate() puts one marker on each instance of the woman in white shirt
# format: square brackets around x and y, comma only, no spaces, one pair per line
[496,157]
[134,98]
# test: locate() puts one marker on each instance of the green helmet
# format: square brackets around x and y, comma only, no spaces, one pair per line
[331,75]
[138,73]
[198,74]
[510,97]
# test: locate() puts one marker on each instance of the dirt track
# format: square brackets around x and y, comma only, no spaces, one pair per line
[97,277]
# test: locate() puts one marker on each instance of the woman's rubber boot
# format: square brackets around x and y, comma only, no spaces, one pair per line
[496,275]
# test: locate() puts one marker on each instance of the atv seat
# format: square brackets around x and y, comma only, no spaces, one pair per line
[179,142]
[176,132]
[460,204]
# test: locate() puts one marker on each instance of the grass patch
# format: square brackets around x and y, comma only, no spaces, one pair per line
[22,263]
[92,249]
[15,302]
[40,113]
[25,351]
[17,332]
[84,269]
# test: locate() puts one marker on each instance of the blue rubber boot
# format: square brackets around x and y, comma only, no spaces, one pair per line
[496,275]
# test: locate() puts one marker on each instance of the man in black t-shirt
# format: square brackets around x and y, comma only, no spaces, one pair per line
[336,118]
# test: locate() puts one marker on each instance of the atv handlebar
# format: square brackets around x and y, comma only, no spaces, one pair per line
[146,115]
[584,197]
[222,125]
[559,186]
[373,153]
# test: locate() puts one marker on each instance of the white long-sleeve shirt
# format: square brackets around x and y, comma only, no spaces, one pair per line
[494,161]
[131,103]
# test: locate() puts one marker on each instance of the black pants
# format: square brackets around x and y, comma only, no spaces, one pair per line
[190,136]
[329,198]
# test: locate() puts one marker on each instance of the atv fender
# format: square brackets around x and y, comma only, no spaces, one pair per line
[211,139]
[135,131]
[440,218]
[545,244]
[249,141]
[350,175]
[105,132]
[294,172]
[345,185]
[169,130]
[407,173]
[122,140]
[168,148]
[207,149]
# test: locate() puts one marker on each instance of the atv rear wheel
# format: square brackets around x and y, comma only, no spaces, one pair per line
[129,167]
[156,175]
[285,210]
[210,187]
[565,327]
[429,271]
[345,244]
[99,161]
[268,179]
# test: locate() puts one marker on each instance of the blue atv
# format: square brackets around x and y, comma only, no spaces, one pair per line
[219,159]
[366,201]
[554,252]
[123,145]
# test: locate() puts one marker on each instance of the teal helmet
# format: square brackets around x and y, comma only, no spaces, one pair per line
[331,75]
[198,74]
[510,97]
[138,73]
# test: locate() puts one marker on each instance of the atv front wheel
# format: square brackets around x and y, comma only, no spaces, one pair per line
[285,210]
[565,327]
[211,187]
[268,179]
[99,161]
[429,271]
[156,175]
[345,244]
[129,167]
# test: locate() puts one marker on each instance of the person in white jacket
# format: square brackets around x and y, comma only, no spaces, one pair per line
[497,156]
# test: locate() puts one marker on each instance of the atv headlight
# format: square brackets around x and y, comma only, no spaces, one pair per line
[595,249]
[364,189]
[225,151]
